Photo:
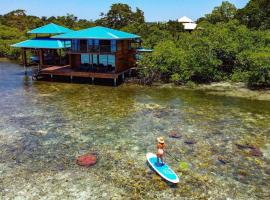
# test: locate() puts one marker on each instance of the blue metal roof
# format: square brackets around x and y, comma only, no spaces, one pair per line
[98,32]
[50,29]
[43,43]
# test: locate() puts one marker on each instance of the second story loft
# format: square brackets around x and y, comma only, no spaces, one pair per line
[100,40]
[102,46]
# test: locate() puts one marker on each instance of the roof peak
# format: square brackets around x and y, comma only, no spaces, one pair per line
[50,28]
[98,32]
[185,19]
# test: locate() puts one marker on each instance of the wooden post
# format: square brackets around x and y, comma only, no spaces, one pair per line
[114,82]
[93,80]
[60,53]
[123,76]
[69,59]
[41,58]
[24,61]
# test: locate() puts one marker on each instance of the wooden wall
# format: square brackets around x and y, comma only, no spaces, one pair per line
[125,58]
[75,60]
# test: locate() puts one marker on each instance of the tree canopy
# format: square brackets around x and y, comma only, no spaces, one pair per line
[121,15]
[256,14]
[229,45]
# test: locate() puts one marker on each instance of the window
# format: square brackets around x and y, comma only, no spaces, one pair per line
[83,45]
[95,59]
[103,59]
[86,59]
[75,45]
[113,45]
[111,60]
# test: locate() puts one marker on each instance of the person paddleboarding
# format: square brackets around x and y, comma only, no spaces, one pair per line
[160,150]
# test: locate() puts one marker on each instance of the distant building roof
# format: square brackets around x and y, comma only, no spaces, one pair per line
[43,43]
[185,20]
[189,26]
[50,29]
[98,32]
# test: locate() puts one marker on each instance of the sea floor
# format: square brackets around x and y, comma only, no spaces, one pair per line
[223,151]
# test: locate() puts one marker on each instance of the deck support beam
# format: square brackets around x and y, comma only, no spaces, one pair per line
[24,60]
[114,82]
[93,80]
[41,58]
[71,78]
[123,76]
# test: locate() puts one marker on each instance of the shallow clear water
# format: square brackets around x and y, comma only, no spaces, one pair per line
[45,125]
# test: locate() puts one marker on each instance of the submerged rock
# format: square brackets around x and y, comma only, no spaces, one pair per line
[87,160]
[190,142]
[253,151]
[174,134]
[256,152]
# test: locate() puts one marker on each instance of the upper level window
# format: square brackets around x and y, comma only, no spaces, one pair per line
[113,46]
[75,45]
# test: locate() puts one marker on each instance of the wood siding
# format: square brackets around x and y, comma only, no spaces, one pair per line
[75,60]
[125,58]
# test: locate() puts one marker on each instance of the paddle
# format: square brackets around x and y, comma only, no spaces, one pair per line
[172,156]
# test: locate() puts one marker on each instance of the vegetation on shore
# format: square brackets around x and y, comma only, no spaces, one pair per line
[229,45]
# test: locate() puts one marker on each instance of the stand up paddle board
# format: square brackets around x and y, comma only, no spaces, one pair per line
[164,171]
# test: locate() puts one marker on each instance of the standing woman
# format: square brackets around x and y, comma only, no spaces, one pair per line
[160,150]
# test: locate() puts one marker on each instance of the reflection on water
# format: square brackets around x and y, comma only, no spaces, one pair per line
[45,125]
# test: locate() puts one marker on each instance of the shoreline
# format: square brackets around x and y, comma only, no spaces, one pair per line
[227,89]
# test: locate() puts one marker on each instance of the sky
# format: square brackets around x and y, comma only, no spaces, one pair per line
[155,10]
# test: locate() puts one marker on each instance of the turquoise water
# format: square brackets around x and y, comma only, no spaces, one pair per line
[44,126]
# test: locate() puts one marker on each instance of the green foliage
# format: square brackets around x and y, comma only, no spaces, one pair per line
[120,15]
[161,64]
[9,36]
[223,13]
[258,66]
[256,14]
[230,44]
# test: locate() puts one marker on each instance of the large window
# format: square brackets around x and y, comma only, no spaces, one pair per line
[103,59]
[111,60]
[107,60]
[86,59]
[95,59]
[75,45]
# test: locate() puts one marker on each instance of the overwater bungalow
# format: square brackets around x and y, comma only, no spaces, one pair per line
[96,52]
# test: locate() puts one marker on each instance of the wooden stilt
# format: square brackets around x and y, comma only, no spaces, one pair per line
[123,76]
[41,58]
[93,80]
[60,53]
[24,60]
[114,82]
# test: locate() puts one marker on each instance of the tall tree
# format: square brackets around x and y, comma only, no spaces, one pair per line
[223,13]
[256,14]
[120,15]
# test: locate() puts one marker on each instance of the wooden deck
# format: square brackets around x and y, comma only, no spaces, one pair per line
[67,71]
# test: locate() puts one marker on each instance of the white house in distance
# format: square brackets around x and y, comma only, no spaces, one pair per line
[188,23]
